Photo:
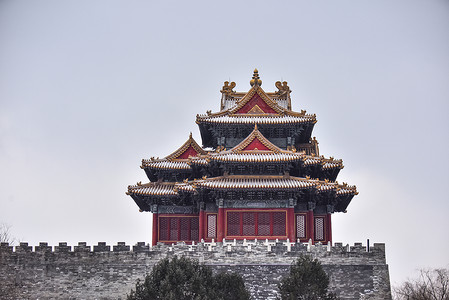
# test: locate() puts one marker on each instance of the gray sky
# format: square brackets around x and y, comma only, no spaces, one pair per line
[89,88]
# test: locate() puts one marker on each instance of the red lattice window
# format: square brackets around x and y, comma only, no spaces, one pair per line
[185,229]
[256,223]
[263,223]
[163,229]
[211,226]
[249,224]
[178,228]
[233,223]
[279,221]
[194,229]
[174,229]
[319,229]
[301,226]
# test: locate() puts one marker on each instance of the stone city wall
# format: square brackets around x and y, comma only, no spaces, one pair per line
[100,272]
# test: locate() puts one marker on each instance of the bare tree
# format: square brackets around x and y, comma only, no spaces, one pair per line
[5,234]
[430,285]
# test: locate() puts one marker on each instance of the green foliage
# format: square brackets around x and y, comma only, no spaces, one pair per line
[183,278]
[230,286]
[307,280]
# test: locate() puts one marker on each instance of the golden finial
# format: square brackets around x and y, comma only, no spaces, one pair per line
[190,135]
[256,80]
[255,126]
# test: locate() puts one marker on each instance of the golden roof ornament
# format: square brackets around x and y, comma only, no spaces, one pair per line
[256,81]
[284,89]
[227,88]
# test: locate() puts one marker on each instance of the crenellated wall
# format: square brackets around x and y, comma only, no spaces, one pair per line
[99,272]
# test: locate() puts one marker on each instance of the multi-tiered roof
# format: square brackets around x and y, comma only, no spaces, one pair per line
[255,149]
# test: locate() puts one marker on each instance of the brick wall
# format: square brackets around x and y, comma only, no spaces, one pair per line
[99,272]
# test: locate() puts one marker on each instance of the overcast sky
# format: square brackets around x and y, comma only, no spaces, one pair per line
[89,88]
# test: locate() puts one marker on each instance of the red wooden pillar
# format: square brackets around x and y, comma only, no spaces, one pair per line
[155,227]
[201,223]
[329,227]
[220,222]
[310,226]
[291,224]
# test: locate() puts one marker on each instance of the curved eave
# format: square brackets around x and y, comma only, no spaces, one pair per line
[256,156]
[332,165]
[251,119]
[141,203]
[242,182]
[154,189]
[166,165]
[206,136]
[184,166]
[186,187]
[200,161]
[150,193]
[343,202]
[147,194]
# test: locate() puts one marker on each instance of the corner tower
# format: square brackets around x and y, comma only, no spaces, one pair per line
[258,175]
